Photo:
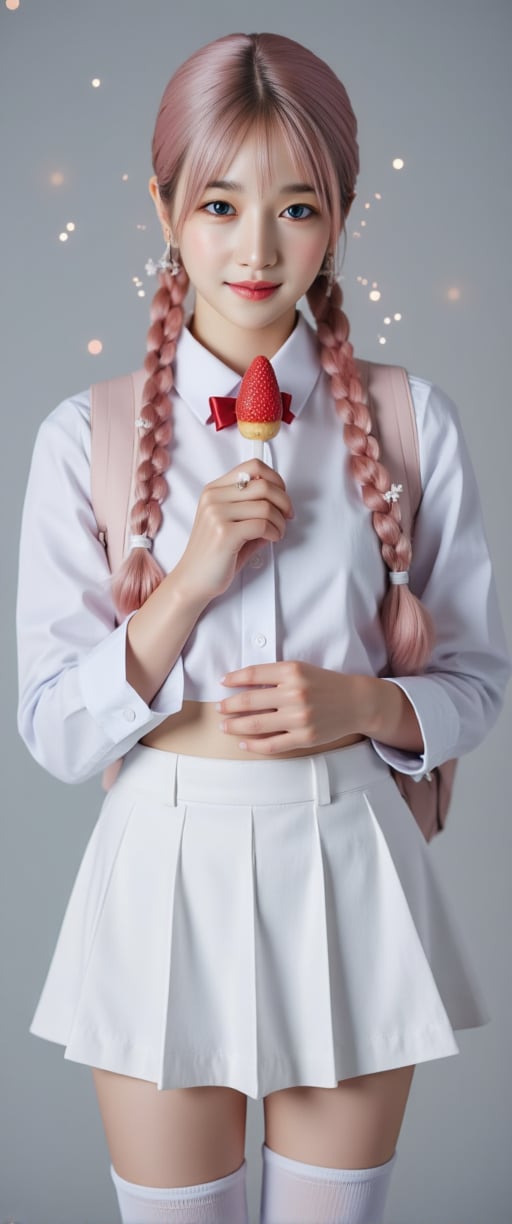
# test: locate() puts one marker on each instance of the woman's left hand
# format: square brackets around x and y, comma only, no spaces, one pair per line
[304,706]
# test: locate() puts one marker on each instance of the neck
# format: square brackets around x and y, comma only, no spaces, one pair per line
[235,346]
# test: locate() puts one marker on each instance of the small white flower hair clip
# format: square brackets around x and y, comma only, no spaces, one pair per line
[393,493]
[152,268]
[142,424]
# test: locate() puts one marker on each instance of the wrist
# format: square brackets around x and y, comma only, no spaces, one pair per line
[368,706]
[184,596]
[389,715]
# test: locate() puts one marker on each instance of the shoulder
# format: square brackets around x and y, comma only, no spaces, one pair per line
[438,425]
[428,398]
[68,424]
[441,439]
[431,402]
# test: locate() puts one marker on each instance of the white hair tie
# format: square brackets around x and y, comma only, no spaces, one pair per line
[140,541]
[399,577]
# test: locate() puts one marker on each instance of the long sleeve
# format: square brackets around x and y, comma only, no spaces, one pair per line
[76,710]
[460,695]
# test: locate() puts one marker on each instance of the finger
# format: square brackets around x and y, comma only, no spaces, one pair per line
[277,744]
[257,673]
[245,530]
[255,468]
[264,722]
[232,530]
[256,490]
[262,512]
[254,700]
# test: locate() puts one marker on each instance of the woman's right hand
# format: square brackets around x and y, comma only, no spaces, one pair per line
[230,525]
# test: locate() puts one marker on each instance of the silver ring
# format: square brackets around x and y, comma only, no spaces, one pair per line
[243,480]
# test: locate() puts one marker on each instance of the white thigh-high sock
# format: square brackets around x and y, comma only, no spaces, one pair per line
[296,1193]
[223,1201]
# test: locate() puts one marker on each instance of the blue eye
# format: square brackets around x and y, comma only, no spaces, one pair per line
[218,204]
[302,208]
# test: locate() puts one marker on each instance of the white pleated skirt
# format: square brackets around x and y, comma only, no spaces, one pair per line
[257,925]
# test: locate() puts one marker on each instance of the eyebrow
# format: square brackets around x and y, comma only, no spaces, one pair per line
[230,185]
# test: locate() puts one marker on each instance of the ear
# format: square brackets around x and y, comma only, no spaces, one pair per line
[155,195]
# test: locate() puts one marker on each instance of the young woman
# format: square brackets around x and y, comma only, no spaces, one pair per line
[256,912]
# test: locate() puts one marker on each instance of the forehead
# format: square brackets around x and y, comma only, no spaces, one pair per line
[264,163]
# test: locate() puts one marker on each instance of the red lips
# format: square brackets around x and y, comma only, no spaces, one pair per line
[254,285]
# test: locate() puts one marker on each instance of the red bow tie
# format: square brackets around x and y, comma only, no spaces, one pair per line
[224,409]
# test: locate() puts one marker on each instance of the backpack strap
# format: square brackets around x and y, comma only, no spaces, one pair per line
[115,404]
[392,410]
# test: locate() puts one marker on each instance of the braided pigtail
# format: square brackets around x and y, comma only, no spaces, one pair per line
[139,574]
[407,626]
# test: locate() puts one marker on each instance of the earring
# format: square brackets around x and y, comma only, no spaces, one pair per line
[166,263]
[328,270]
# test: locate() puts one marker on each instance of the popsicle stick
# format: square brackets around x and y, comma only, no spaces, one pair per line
[257,448]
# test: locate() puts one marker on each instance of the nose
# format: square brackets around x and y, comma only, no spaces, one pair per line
[257,245]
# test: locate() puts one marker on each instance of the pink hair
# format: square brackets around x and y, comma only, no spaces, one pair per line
[271,84]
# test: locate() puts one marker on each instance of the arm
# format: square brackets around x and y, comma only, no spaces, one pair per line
[459,697]
[88,688]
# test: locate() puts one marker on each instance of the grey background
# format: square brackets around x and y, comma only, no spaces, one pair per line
[430,83]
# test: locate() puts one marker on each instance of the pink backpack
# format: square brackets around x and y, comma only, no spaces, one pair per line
[116,402]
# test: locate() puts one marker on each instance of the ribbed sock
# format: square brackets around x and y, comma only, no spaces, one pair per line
[223,1201]
[296,1193]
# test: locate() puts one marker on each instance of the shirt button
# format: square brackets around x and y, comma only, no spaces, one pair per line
[129,714]
[256,561]
[259,639]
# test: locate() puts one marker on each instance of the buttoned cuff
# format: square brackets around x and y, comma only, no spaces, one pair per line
[112,701]
[439,725]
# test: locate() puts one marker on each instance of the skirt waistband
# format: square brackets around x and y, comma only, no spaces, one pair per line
[172,777]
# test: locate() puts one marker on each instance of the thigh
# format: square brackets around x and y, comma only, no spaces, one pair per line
[353,1126]
[174,1137]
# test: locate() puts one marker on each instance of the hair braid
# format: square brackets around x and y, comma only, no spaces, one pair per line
[407,626]
[139,574]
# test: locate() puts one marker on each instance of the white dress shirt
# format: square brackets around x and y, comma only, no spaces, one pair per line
[314,595]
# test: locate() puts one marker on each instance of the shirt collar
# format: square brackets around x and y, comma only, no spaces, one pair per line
[199,374]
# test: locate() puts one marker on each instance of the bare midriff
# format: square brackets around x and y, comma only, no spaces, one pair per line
[195,731]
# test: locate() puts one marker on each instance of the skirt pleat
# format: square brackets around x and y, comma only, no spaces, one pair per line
[258,925]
